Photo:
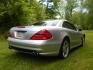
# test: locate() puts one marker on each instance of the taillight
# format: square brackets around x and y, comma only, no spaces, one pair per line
[42,35]
[10,34]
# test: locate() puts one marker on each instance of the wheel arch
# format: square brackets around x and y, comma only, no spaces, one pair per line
[65,37]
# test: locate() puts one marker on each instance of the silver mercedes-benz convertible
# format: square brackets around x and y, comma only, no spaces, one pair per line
[52,37]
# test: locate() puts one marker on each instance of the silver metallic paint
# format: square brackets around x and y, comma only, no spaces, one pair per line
[45,47]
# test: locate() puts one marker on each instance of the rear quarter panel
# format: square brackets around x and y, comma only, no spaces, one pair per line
[58,34]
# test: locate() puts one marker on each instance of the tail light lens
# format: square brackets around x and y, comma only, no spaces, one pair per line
[42,35]
[10,34]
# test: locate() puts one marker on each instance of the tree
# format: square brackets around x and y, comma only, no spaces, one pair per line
[51,8]
[71,4]
[19,12]
[89,7]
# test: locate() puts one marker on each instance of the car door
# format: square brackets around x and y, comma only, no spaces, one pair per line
[72,32]
[76,35]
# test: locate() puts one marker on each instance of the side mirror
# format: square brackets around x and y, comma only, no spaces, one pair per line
[79,29]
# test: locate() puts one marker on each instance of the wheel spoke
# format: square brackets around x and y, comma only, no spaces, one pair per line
[65,49]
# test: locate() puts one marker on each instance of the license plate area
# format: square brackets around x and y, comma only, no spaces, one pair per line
[20,34]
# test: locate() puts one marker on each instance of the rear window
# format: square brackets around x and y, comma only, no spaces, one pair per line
[46,23]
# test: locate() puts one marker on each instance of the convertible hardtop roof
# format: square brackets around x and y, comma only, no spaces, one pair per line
[59,20]
[55,20]
[52,20]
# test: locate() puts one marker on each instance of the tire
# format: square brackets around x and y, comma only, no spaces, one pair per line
[65,48]
[83,41]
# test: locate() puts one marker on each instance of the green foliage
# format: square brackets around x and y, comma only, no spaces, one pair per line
[53,11]
[76,17]
[71,4]
[89,7]
[19,12]
[79,17]
[84,19]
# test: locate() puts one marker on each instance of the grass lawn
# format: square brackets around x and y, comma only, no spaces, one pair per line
[79,59]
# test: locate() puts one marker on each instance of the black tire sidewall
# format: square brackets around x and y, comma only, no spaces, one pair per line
[61,49]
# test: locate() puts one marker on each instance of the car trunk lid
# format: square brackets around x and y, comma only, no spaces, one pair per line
[26,32]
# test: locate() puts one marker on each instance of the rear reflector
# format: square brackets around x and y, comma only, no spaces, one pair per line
[42,35]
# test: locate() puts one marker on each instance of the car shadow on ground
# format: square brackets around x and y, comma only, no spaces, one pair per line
[34,61]
[75,49]
[38,59]
[44,58]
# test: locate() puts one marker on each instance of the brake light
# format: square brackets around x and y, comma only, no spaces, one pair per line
[10,34]
[42,35]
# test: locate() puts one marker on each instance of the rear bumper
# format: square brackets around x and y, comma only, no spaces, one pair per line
[41,47]
[34,52]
